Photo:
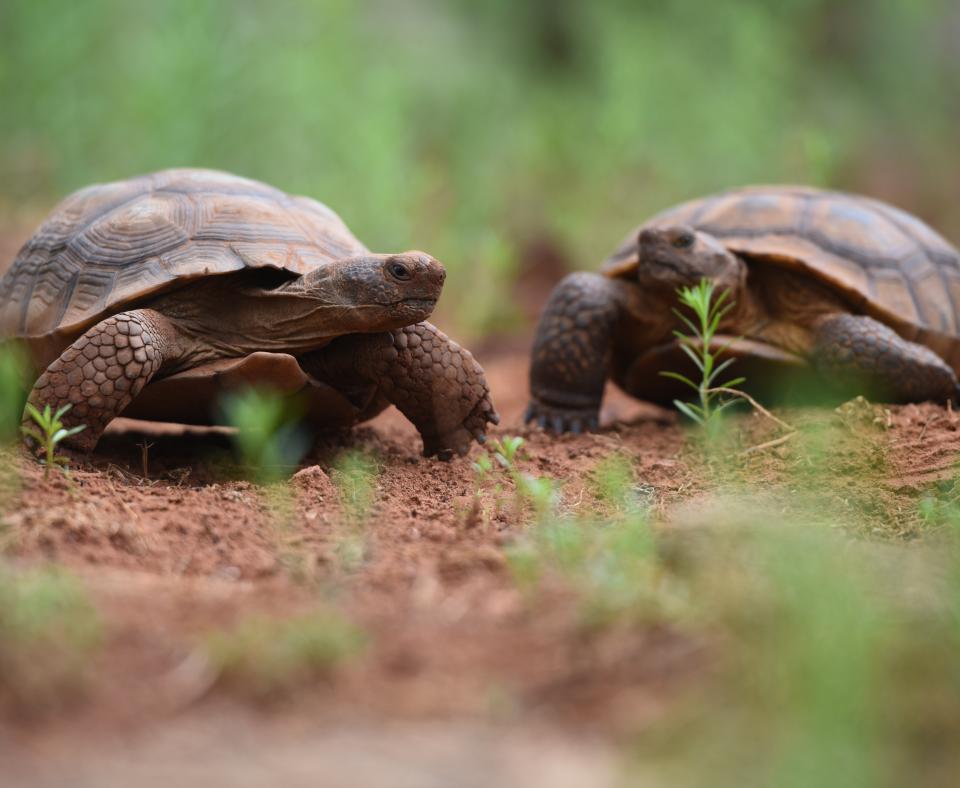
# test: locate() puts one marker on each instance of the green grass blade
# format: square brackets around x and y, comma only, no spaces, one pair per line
[689,323]
[62,433]
[719,368]
[687,410]
[733,383]
[681,378]
[692,354]
[32,432]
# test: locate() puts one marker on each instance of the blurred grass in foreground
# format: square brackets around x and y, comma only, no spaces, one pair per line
[269,439]
[831,660]
[474,130]
[355,476]
[49,632]
[268,658]
[13,390]
[839,663]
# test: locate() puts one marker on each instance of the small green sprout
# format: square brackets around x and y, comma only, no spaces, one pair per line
[708,311]
[542,492]
[483,466]
[505,451]
[50,433]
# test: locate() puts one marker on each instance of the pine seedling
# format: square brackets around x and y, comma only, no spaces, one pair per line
[708,312]
[49,433]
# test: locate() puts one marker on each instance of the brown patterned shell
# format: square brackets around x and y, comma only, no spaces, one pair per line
[109,245]
[886,262]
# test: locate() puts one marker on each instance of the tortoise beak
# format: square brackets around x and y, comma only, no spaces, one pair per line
[425,267]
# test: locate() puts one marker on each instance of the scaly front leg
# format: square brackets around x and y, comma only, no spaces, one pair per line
[102,371]
[431,379]
[571,354]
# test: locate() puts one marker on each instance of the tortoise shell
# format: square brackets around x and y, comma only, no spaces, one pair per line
[110,245]
[883,261]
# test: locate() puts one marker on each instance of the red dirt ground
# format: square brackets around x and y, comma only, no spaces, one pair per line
[465,681]
[172,556]
[456,653]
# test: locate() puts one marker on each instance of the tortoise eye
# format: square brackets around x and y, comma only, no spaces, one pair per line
[399,272]
[683,241]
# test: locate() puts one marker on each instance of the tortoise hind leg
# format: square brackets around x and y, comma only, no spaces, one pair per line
[432,380]
[102,371]
[856,353]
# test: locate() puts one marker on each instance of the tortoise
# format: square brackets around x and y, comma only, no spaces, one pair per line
[166,289]
[860,294]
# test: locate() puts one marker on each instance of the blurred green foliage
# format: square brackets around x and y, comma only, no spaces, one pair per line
[474,129]
[13,390]
[608,564]
[269,437]
[49,634]
[840,658]
[355,475]
[268,658]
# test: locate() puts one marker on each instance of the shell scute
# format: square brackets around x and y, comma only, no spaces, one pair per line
[247,218]
[145,227]
[884,261]
[109,246]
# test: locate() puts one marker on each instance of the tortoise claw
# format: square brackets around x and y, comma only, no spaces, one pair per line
[560,420]
[457,438]
[445,455]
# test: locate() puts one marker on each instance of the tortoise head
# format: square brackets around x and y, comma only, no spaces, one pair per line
[678,256]
[378,291]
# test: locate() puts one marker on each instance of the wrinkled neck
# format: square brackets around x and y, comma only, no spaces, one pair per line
[238,315]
